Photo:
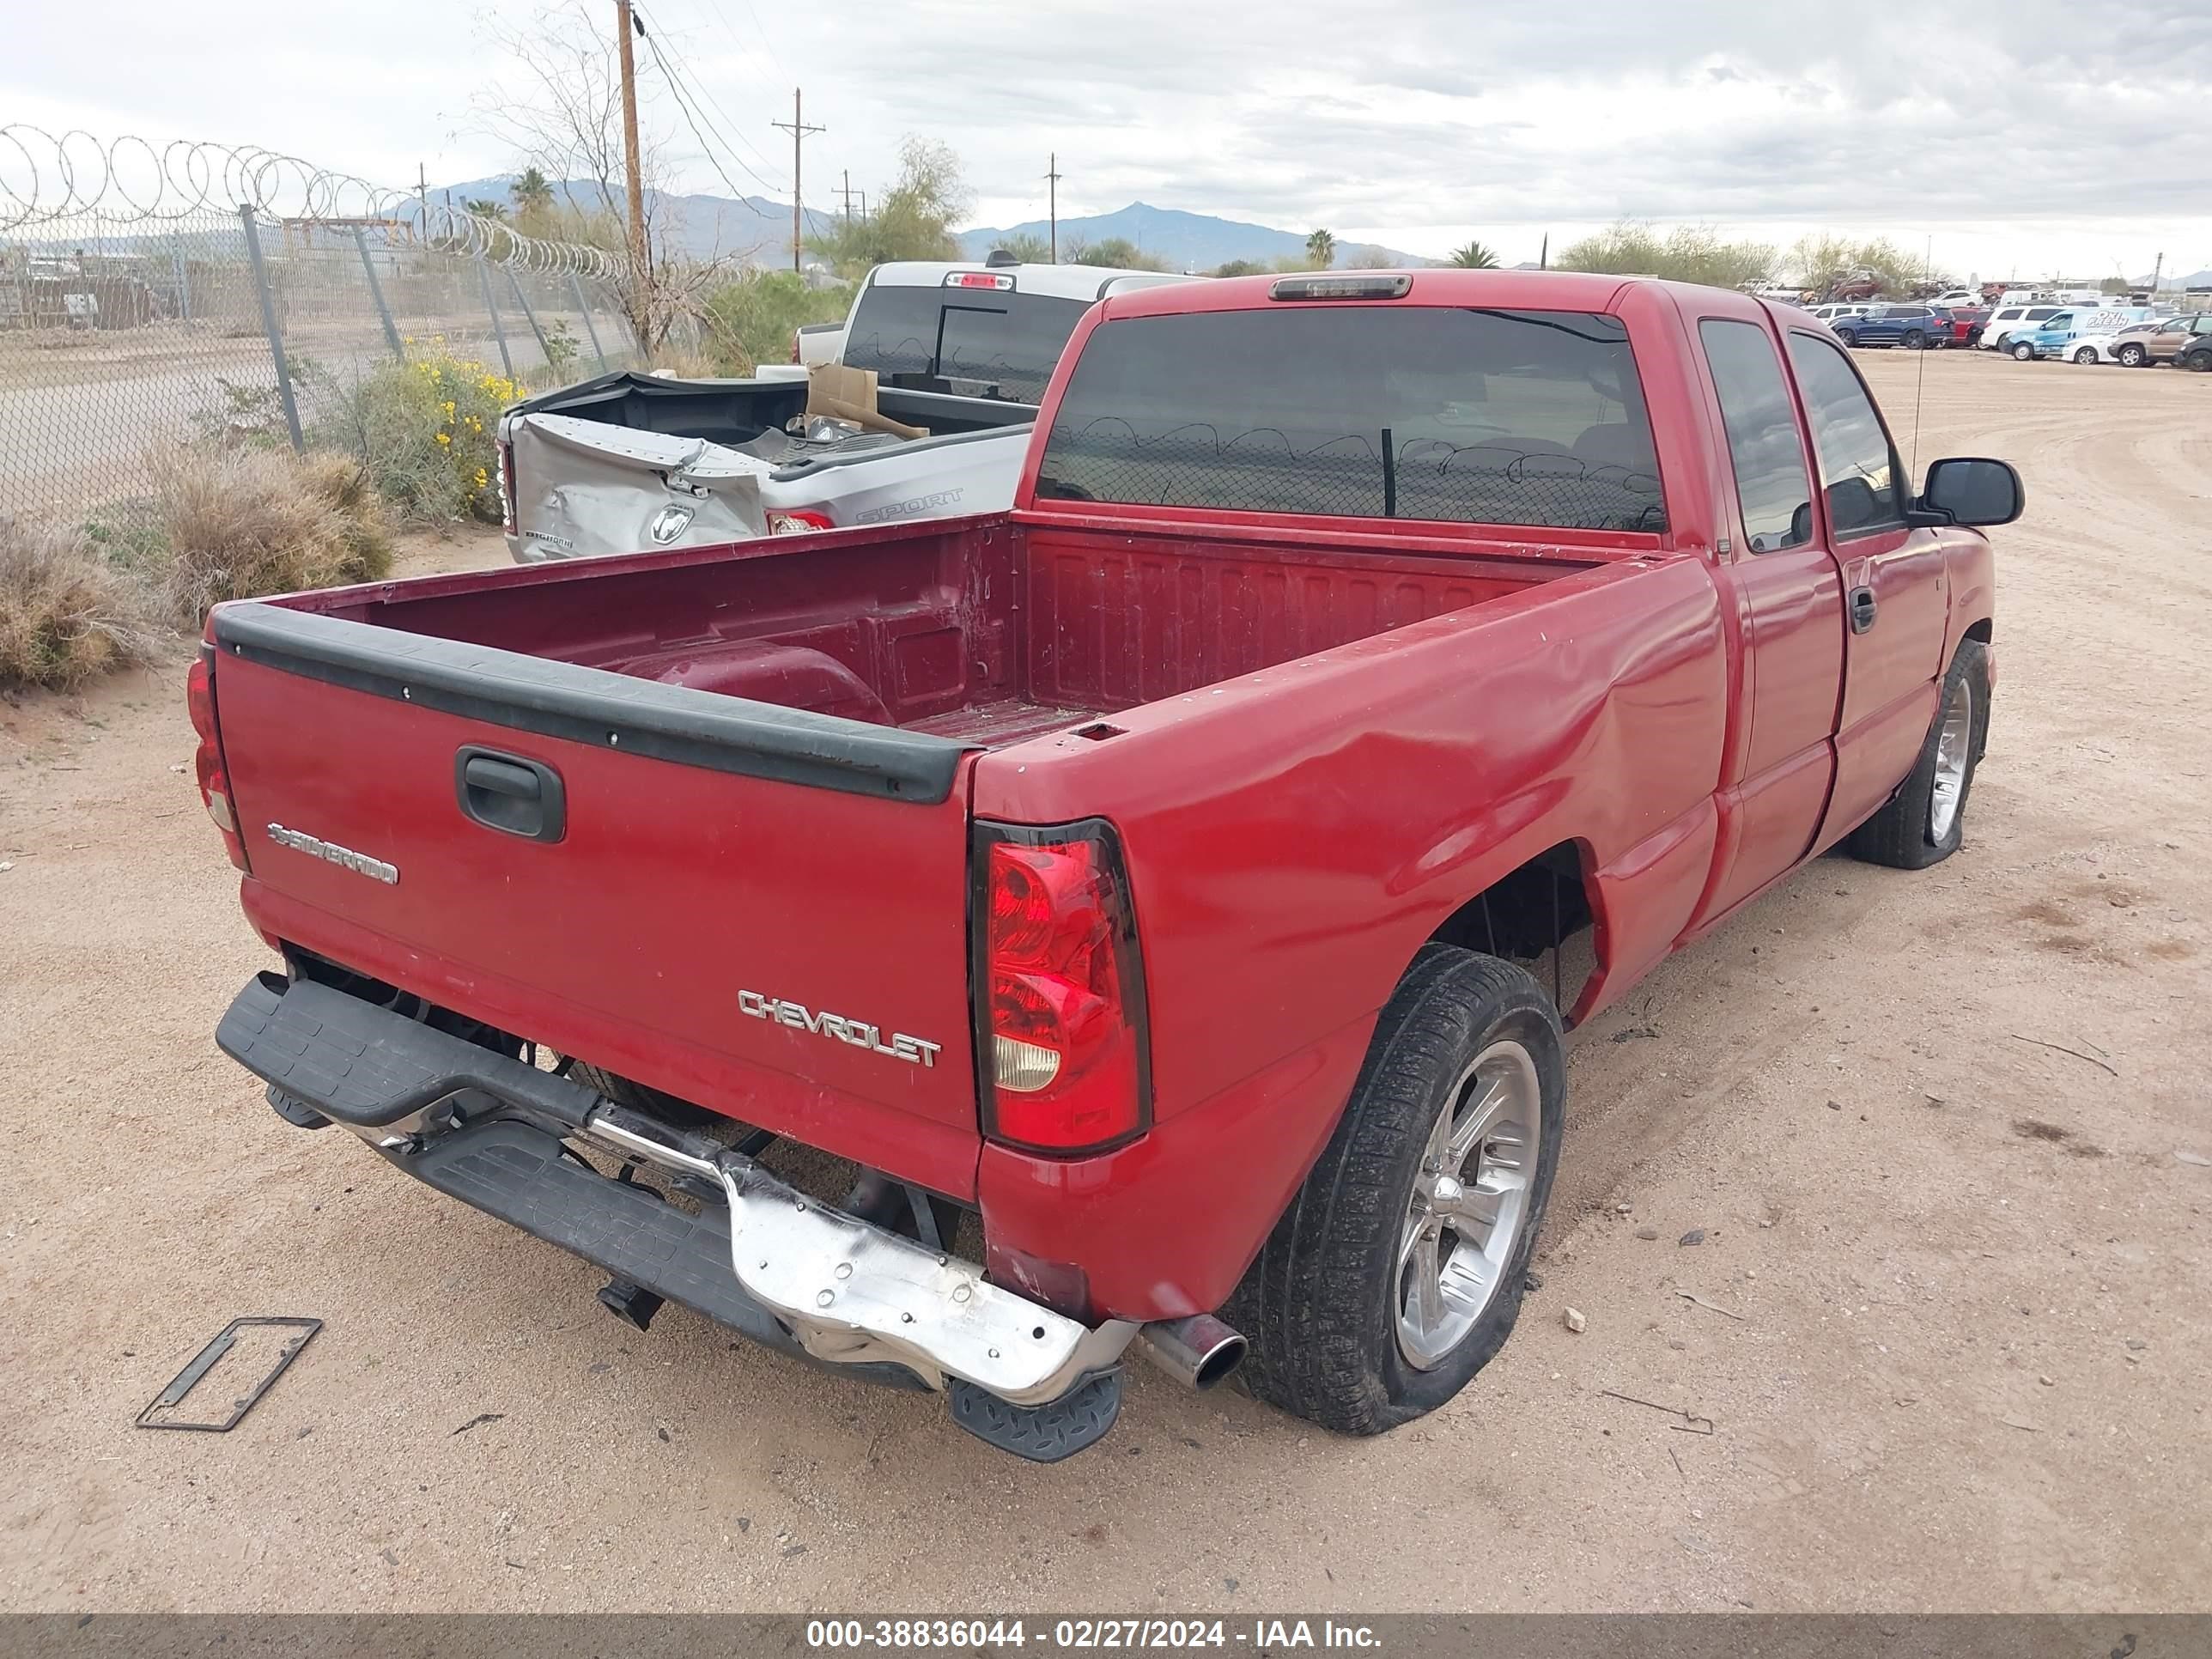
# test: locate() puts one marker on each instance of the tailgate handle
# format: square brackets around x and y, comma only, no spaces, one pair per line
[508,793]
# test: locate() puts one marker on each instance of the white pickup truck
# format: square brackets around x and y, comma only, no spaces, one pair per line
[630,462]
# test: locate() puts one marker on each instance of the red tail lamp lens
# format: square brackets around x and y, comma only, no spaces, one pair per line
[207,762]
[1062,982]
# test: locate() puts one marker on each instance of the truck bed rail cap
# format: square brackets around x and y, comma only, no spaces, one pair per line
[595,706]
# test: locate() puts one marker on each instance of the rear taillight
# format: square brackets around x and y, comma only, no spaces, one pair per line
[798,523]
[795,347]
[214,777]
[505,452]
[1061,989]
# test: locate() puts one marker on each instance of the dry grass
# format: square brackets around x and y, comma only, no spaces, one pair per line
[66,615]
[683,363]
[254,522]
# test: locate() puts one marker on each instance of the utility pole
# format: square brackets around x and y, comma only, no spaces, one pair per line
[846,192]
[1052,195]
[2156,271]
[638,252]
[422,195]
[798,128]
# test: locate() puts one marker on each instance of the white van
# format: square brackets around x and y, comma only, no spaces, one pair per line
[2014,320]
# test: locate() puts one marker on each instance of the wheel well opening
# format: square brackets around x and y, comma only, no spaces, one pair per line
[1980,630]
[1536,915]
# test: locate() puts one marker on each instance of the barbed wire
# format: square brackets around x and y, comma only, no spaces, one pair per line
[59,180]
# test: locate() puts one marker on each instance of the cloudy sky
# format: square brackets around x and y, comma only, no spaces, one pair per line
[2061,135]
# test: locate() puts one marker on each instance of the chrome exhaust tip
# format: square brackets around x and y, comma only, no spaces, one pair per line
[1198,1352]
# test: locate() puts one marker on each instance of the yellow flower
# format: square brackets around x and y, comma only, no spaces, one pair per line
[444,438]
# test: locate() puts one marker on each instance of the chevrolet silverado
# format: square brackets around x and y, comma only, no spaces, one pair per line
[1158,906]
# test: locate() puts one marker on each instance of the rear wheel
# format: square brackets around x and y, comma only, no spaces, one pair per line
[2200,361]
[1397,1272]
[2086,354]
[2132,355]
[1915,340]
[1924,821]
[2022,352]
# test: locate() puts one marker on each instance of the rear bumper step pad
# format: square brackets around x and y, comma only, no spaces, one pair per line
[373,1069]
[521,1176]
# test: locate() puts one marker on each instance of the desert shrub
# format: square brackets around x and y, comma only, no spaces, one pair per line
[749,320]
[1687,253]
[425,432]
[67,615]
[249,522]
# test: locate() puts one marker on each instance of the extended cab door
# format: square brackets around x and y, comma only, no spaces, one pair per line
[1788,593]
[1895,589]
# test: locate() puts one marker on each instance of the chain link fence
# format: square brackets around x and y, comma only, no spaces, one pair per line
[233,296]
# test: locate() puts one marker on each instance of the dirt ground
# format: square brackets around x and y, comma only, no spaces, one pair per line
[1951,1337]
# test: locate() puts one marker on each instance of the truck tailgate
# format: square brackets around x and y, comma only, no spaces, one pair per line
[708,915]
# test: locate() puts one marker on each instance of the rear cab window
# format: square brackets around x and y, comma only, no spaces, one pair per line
[1769,461]
[1461,414]
[983,342]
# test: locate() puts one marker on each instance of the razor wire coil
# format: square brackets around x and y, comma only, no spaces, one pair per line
[60,180]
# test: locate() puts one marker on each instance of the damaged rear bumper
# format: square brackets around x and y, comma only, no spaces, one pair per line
[765,1259]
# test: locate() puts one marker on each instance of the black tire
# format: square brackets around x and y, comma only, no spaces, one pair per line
[1320,1305]
[1849,336]
[2199,362]
[1915,340]
[2086,354]
[1899,835]
[2132,355]
[2022,351]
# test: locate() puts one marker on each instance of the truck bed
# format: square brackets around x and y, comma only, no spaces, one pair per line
[987,632]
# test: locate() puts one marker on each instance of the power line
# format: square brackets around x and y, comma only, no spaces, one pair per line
[692,120]
[772,60]
[727,129]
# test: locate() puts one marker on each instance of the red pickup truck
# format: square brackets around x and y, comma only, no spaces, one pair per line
[1148,915]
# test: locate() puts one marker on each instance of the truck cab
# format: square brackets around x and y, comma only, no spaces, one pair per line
[990,328]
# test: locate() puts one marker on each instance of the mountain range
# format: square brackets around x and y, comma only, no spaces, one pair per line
[759,227]
[701,226]
[1189,241]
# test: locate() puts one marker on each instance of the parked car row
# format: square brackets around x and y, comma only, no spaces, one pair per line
[2140,342]
[2135,337]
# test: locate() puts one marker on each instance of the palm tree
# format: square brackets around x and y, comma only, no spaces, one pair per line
[532,193]
[1475,257]
[483,208]
[1321,248]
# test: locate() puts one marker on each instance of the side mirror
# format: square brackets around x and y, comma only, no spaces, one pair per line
[1971,490]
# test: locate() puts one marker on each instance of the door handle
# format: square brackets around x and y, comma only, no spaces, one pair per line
[1862,609]
[508,793]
